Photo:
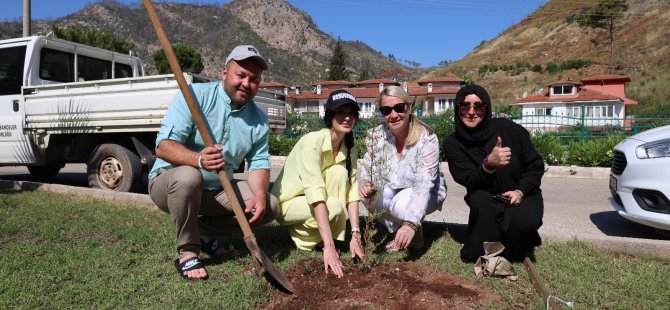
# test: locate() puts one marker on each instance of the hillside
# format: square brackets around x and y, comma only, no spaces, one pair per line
[642,46]
[297,50]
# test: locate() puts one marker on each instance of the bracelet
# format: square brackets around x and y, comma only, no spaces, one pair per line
[355,230]
[411,225]
[200,162]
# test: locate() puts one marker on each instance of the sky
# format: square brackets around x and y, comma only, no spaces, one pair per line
[422,31]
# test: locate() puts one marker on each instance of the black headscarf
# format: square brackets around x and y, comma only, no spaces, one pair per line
[484,130]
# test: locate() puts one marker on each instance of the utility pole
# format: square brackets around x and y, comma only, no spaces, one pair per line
[26,18]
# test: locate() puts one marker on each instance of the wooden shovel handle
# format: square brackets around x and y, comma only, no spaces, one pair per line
[195,112]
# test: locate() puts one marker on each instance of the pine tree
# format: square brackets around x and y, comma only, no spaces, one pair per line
[604,15]
[365,72]
[338,64]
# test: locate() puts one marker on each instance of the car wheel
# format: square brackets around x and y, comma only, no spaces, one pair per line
[114,167]
[45,172]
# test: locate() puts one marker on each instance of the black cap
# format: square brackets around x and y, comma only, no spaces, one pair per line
[340,98]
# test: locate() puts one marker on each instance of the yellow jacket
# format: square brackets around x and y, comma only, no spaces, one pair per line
[303,172]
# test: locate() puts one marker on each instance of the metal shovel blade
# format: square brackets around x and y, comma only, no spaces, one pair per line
[267,264]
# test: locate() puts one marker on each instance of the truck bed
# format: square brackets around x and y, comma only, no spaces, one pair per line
[120,105]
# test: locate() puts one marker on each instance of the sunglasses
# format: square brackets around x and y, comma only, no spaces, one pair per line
[398,108]
[464,108]
[344,113]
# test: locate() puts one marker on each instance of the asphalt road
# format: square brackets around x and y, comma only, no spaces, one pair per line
[575,209]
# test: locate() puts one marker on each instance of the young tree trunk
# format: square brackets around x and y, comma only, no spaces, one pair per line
[611,29]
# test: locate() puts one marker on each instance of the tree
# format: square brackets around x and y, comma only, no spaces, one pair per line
[188,58]
[365,72]
[338,64]
[445,62]
[604,15]
[94,38]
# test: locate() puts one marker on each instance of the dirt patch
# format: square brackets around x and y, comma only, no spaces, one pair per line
[398,285]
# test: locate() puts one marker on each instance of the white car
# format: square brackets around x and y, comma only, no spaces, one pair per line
[640,178]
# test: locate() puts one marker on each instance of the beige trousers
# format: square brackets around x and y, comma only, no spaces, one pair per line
[180,192]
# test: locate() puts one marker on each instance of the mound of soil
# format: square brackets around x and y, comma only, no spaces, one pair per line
[398,285]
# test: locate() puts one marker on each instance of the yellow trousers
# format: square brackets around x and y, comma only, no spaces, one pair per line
[298,215]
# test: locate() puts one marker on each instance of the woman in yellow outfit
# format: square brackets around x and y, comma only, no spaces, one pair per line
[319,180]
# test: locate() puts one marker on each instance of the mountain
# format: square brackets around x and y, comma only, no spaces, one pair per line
[298,52]
[642,50]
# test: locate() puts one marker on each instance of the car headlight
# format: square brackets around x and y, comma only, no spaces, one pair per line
[654,149]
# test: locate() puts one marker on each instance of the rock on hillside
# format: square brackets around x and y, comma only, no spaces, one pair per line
[296,49]
[284,27]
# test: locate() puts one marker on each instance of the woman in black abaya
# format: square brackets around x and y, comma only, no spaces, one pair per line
[495,157]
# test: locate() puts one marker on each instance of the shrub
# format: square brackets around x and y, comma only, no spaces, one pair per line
[537,68]
[549,147]
[592,153]
[443,125]
[281,145]
[483,70]
[574,64]
[360,147]
[552,67]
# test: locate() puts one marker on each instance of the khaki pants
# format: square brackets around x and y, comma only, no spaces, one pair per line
[180,192]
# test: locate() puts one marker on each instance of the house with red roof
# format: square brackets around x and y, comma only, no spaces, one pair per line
[366,93]
[434,94]
[275,87]
[600,100]
[438,93]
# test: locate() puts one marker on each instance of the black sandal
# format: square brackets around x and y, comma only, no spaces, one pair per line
[188,265]
[211,247]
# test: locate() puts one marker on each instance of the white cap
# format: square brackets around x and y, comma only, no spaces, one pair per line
[242,52]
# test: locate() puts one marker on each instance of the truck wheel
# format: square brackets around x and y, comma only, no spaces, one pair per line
[114,167]
[45,172]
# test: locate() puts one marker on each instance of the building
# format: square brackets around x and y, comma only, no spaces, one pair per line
[435,94]
[438,93]
[597,101]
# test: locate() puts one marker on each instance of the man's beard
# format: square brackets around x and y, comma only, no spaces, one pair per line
[234,102]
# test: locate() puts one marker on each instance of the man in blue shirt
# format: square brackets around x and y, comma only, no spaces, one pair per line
[183,181]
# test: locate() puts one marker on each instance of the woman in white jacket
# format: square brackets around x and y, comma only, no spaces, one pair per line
[402,161]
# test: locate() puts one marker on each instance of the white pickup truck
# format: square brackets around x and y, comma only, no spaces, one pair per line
[63,102]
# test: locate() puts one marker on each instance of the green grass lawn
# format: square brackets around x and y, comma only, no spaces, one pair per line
[64,252]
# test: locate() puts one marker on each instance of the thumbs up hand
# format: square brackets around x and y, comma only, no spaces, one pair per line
[500,156]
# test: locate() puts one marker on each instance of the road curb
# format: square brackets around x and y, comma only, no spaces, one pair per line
[549,171]
[106,195]
[576,172]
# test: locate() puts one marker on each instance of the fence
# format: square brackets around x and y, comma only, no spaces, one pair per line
[585,128]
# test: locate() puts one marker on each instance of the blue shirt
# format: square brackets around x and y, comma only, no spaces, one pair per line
[242,133]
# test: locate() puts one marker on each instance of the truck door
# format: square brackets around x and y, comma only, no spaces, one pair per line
[15,146]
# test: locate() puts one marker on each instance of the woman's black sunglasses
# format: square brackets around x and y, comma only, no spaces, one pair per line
[480,108]
[398,108]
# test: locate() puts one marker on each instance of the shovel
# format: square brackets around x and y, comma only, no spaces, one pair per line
[249,237]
